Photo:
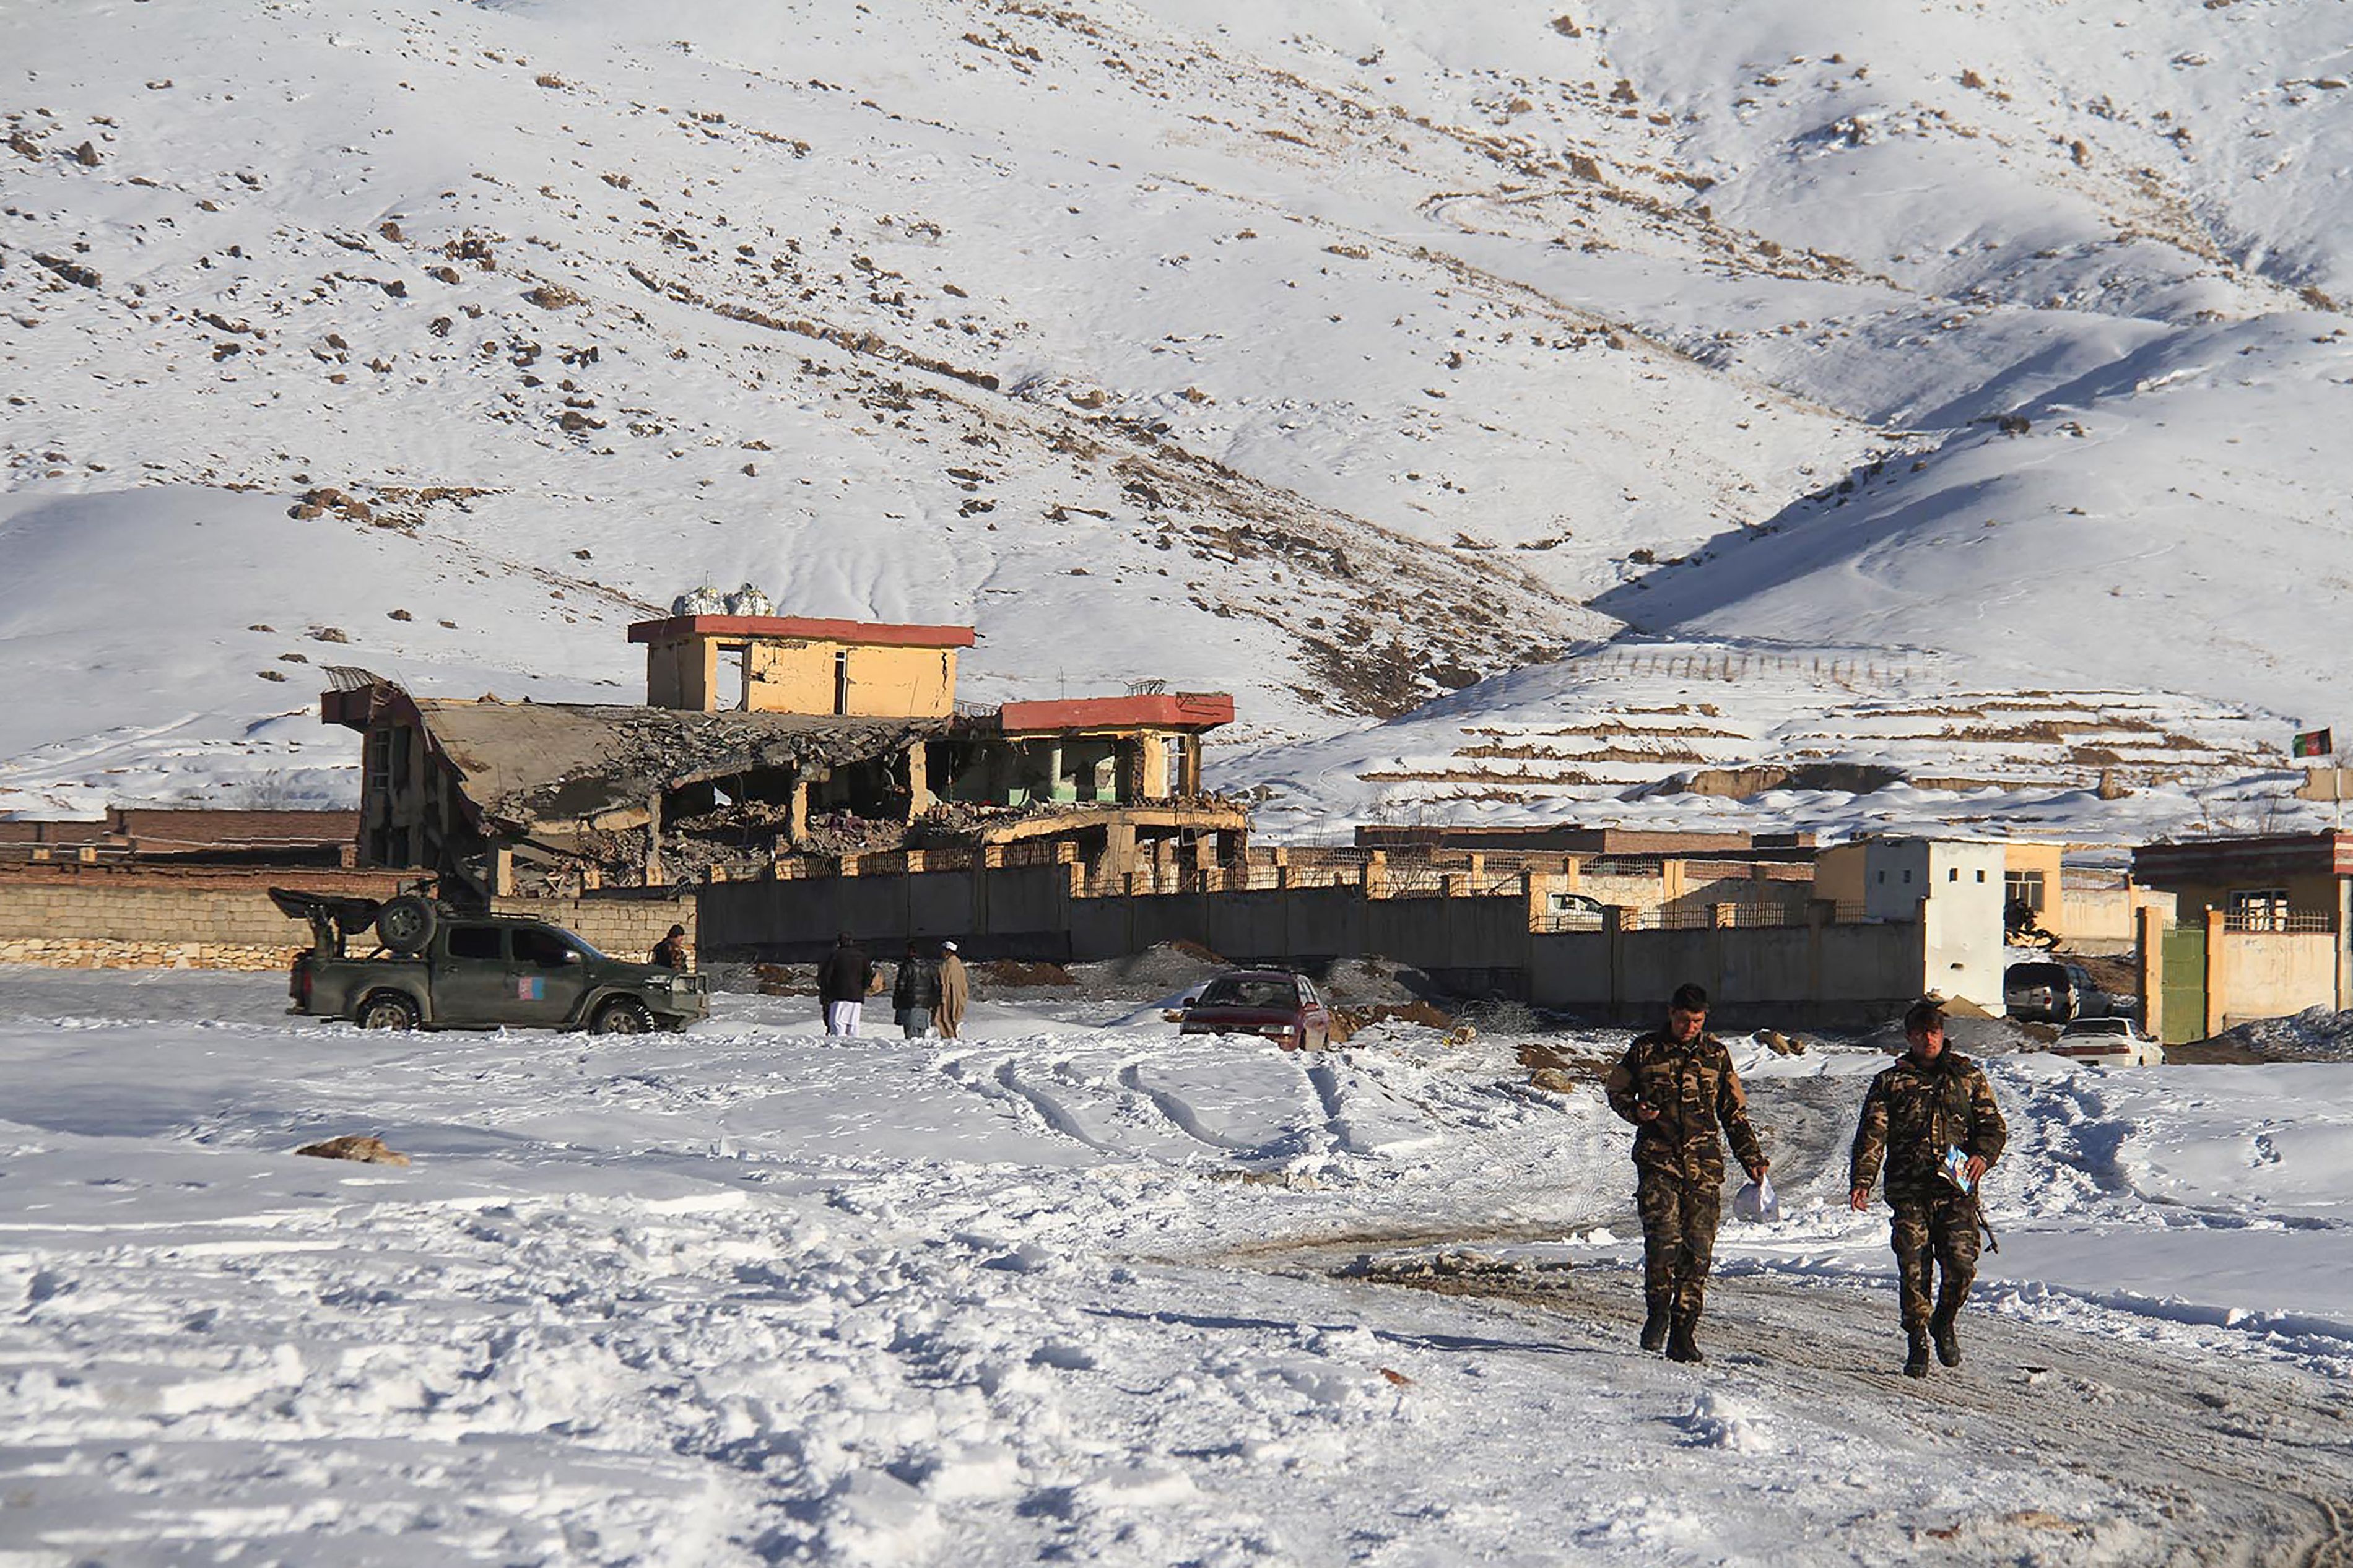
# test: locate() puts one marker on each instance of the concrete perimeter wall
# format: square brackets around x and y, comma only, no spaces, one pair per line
[1473,942]
[2270,975]
[1819,974]
[1007,912]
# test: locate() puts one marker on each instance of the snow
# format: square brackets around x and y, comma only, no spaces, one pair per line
[1523,410]
[753,1294]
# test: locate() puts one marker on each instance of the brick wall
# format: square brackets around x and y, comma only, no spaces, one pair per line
[119,918]
[617,927]
[149,909]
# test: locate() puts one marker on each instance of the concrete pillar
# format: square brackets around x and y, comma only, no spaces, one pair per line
[1536,890]
[797,814]
[2344,938]
[1819,913]
[2149,932]
[1377,874]
[919,780]
[502,876]
[1613,931]
[2217,972]
[653,840]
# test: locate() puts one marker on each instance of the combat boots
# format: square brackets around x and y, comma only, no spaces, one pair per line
[1944,1327]
[1681,1345]
[1655,1326]
[1916,1360]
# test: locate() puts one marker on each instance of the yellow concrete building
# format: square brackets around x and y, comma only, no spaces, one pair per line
[799,664]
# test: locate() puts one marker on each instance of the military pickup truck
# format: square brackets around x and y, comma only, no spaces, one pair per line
[436,967]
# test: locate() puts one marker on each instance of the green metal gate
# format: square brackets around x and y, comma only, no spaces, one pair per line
[2183,1006]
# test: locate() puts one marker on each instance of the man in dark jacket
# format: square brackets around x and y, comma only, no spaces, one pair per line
[915,993]
[1677,1087]
[1930,1101]
[671,952]
[844,981]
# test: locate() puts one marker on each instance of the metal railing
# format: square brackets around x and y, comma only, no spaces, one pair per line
[2300,921]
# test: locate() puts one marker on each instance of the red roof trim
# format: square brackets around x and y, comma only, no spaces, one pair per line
[1165,710]
[800,629]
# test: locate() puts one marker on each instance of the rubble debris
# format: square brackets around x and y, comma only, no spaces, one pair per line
[1439,1270]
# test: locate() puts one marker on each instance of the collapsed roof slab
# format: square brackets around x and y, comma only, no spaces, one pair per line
[526,764]
[550,762]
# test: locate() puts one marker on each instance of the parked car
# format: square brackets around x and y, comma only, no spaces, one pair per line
[2111,1042]
[2046,991]
[442,968]
[1572,911]
[1272,1003]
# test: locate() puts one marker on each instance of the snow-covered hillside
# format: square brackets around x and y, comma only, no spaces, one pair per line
[1337,354]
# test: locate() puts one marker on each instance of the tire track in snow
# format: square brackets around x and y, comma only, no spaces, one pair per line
[1172,1106]
[1055,1113]
[1005,1083]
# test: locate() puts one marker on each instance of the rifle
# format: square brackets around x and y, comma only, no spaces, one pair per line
[1953,1164]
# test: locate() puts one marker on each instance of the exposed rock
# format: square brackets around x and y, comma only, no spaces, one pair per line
[355,1146]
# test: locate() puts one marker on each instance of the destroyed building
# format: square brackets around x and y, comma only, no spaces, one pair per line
[767,735]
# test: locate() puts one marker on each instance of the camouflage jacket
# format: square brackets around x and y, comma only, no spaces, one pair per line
[1914,1111]
[1695,1093]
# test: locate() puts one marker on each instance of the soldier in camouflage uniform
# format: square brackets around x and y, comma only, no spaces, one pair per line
[1677,1087]
[1932,1099]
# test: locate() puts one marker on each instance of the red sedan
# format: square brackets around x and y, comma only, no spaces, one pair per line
[1270,1003]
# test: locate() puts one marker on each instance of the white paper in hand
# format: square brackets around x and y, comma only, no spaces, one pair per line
[1757,1202]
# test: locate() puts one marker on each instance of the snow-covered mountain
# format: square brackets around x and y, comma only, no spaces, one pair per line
[1337,353]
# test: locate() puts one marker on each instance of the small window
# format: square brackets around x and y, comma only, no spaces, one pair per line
[1882,877]
[543,948]
[1954,874]
[1981,874]
[476,941]
[1907,876]
[2258,909]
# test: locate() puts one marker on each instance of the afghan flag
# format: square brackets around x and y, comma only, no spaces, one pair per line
[2312,744]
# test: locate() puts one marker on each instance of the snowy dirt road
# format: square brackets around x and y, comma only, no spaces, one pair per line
[1066,1292]
[2219,1463]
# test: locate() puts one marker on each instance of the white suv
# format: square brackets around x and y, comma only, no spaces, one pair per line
[2111,1042]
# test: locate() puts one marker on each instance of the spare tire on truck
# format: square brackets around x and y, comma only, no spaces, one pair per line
[407,924]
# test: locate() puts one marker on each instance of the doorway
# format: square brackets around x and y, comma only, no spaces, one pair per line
[735,676]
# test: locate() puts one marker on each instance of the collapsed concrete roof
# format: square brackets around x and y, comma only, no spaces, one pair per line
[525,763]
